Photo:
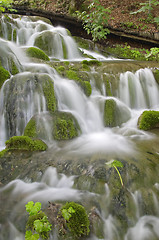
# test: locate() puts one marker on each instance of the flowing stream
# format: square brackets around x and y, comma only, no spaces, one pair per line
[137,91]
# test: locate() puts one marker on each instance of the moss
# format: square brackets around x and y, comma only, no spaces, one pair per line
[114,114]
[62,126]
[148,120]
[72,75]
[86,87]
[65,127]
[39,216]
[92,62]
[13,68]
[156,75]
[64,49]
[43,42]
[109,113]
[25,143]
[32,218]
[78,223]
[14,35]
[37,53]
[85,67]
[30,129]
[60,70]
[82,43]
[107,85]
[4,75]
[48,89]
[127,52]
[2,153]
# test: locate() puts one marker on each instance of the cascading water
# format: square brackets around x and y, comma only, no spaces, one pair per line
[22,96]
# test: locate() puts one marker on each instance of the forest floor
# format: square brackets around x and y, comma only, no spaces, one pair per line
[120,17]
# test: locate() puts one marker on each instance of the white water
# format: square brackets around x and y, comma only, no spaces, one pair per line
[137,92]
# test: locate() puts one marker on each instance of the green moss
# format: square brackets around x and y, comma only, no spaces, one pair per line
[82,43]
[109,113]
[13,68]
[62,126]
[114,114]
[86,87]
[43,42]
[92,62]
[65,127]
[107,85]
[148,120]
[4,75]
[14,35]
[39,216]
[32,218]
[48,89]
[30,129]
[25,143]
[64,49]
[60,70]
[72,75]
[156,75]
[2,153]
[37,53]
[127,52]
[78,223]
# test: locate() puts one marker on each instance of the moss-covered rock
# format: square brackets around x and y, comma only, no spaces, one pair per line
[43,88]
[77,221]
[47,41]
[85,85]
[156,75]
[109,113]
[148,120]
[61,126]
[36,53]
[115,114]
[25,143]
[48,90]
[2,153]
[4,75]
[13,67]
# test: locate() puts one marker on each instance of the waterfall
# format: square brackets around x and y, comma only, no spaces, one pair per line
[139,90]
[127,213]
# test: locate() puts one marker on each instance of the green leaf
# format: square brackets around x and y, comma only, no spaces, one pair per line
[33,208]
[66,214]
[114,163]
[71,210]
[38,225]
[30,236]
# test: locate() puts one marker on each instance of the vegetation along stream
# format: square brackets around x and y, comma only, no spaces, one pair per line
[75,126]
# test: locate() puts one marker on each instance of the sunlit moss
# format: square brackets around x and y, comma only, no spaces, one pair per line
[25,143]
[148,120]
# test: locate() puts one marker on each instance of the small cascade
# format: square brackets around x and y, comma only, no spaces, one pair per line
[26,31]
[139,90]
[20,90]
